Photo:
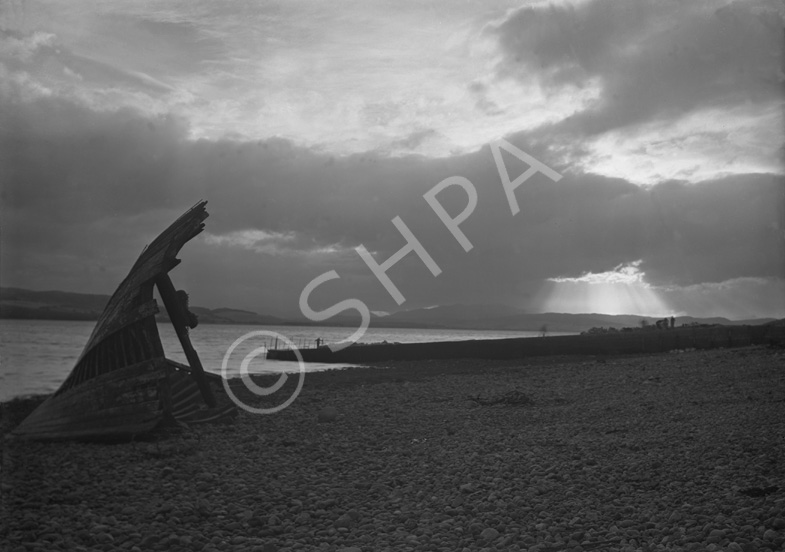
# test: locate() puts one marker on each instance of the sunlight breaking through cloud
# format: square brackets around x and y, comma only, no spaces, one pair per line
[622,274]
[622,290]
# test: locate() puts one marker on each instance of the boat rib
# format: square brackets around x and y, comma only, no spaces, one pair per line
[122,384]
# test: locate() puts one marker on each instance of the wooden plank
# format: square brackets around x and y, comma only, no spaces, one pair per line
[127,421]
[210,415]
[125,318]
[157,258]
[139,427]
[104,417]
[131,371]
[179,319]
[124,390]
[75,412]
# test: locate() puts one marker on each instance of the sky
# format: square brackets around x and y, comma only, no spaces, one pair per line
[310,126]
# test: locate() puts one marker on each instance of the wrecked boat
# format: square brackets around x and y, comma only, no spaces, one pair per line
[122,384]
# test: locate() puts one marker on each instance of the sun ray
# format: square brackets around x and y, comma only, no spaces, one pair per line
[622,290]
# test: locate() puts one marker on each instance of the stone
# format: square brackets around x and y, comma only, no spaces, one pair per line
[327,414]
[105,538]
[489,534]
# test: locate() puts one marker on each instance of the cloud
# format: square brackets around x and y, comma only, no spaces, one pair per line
[737,298]
[309,133]
[85,190]
[673,78]
[651,57]
[344,80]
[622,274]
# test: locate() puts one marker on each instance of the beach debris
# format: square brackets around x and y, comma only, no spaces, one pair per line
[345,520]
[327,414]
[122,384]
[757,491]
[511,398]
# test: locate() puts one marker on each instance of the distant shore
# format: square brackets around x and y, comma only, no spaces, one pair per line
[17,303]
[603,344]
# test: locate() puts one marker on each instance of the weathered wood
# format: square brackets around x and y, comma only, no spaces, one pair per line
[157,258]
[121,384]
[120,401]
[179,318]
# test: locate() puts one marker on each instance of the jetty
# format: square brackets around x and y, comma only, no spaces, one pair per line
[615,343]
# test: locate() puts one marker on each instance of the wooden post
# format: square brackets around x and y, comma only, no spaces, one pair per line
[179,319]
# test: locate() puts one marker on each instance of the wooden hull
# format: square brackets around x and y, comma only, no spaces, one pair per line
[129,401]
[121,384]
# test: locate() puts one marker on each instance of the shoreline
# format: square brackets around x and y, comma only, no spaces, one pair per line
[675,450]
[610,343]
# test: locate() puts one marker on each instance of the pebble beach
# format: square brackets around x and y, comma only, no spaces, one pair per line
[675,451]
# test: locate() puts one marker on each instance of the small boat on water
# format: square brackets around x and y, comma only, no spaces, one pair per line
[122,384]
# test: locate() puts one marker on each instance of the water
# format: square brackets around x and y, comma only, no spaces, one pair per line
[37,355]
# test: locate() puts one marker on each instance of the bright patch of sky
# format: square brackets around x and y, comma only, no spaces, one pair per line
[699,146]
[310,125]
[621,274]
[272,243]
[391,77]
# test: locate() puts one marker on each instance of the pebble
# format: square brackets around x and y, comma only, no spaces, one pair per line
[327,414]
[344,521]
[419,467]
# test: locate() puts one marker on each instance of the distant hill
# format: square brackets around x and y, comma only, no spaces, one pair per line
[50,305]
[485,317]
[229,316]
[61,305]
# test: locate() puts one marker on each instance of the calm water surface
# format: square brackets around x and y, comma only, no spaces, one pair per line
[37,355]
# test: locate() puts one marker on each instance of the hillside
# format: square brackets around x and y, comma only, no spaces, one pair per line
[60,305]
[485,317]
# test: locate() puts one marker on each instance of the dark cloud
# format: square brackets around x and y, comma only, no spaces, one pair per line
[651,59]
[83,191]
